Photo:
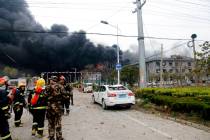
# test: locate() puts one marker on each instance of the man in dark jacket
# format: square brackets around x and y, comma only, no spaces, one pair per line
[4,113]
[19,103]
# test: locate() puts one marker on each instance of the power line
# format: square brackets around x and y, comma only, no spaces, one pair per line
[177,46]
[115,13]
[178,17]
[184,7]
[64,6]
[10,58]
[182,13]
[193,3]
[102,34]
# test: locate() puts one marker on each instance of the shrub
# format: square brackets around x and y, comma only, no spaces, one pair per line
[193,99]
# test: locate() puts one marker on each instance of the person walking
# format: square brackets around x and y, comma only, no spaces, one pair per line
[37,100]
[19,103]
[66,90]
[54,109]
[5,100]
[71,94]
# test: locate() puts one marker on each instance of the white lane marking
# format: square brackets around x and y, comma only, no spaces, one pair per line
[151,128]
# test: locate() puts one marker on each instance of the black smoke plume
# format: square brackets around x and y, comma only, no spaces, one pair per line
[51,49]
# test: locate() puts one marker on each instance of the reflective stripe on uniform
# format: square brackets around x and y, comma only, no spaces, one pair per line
[41,128]
[4,108]
[41,96]
[6,137]
[17,103]
[41,107]
[17,121]
[35,123]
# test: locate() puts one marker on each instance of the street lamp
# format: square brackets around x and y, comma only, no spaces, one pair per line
[118,50]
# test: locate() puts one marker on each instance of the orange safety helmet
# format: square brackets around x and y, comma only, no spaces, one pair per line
[3,80]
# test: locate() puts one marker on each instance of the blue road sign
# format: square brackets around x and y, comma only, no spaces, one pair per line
[118,66]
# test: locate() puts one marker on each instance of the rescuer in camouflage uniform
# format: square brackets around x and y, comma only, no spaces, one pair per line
[54,110]
[66,90]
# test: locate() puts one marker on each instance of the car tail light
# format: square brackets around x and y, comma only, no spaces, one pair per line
[130,94]
[111,94]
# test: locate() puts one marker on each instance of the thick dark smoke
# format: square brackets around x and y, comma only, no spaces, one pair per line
[57,51]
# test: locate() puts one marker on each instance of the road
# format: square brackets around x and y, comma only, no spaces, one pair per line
[88,121]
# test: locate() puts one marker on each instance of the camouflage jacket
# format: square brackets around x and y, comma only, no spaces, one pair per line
[55,96]
[67,91]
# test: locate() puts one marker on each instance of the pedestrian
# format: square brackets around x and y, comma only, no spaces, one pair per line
[54,109]
[19,103]
[5,100]
[71,94]
[66,90]
[37,101]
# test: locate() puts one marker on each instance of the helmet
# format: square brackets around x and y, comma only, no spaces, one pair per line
[54,78]
[21,85]
[62,78]
[3,80]
[40,82]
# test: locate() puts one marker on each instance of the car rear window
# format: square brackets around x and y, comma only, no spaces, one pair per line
[117,88]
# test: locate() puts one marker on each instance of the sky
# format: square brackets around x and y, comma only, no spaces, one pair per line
[161,18]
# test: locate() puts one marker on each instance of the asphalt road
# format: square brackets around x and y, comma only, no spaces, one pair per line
[88,121]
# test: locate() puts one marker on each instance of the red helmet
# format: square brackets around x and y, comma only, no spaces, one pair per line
[62,78]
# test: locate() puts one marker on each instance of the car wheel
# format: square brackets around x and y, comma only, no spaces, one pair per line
[104,105]
[128,107]
[93,99]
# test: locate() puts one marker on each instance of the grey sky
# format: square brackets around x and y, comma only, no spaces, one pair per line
[162,18]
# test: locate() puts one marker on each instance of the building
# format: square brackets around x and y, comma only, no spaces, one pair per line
[175,68]
[92,77]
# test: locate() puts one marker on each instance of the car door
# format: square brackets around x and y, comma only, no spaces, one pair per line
[102,93]
[96,92]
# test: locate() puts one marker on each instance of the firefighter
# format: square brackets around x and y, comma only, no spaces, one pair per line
[19,103]
[5,100]
[38,103]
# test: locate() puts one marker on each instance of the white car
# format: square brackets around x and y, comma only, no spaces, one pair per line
[88,88]
[113,95]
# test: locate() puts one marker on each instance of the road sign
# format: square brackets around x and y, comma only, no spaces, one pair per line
[118,66]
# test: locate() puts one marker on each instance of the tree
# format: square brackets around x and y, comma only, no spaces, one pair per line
[153,77]
[11,72]
[129,74]
[203,62]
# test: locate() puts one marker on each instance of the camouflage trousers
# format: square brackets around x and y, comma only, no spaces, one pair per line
[55,127]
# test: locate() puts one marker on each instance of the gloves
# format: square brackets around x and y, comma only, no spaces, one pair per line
[7,115]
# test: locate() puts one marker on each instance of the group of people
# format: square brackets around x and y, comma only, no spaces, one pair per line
[50,101]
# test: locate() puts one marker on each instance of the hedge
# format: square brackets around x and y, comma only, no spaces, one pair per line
[180,99]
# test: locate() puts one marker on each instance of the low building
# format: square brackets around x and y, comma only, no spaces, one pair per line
[175,68]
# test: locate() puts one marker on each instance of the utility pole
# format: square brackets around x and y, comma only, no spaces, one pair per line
[142,65]
[161,67]
[192,44]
